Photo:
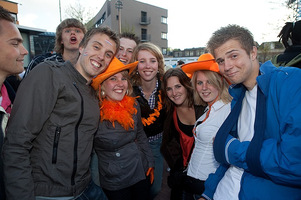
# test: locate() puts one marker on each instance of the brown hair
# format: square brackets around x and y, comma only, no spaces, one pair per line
[100,30]
[125,73]
[130,36]
[71,22]
[235,32]
[5,15]
[184,80]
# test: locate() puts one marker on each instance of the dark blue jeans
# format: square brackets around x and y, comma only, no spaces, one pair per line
[92,192]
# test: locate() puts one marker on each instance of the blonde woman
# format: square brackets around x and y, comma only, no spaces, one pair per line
[211,90]
[120,142]
[146,79]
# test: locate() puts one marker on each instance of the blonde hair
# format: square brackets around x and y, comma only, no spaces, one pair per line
[218,81]
[153,49]
[125,74]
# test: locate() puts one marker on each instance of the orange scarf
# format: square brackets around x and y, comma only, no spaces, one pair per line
[152,117]
[121,111]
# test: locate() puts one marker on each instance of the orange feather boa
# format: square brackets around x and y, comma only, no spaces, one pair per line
[121,111]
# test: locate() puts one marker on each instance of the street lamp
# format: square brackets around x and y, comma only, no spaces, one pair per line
[118,6]
[60,10]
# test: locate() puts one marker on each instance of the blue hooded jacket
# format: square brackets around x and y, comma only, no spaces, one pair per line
[276,172]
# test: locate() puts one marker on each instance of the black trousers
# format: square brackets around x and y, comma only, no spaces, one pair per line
[193,186]
[138,191]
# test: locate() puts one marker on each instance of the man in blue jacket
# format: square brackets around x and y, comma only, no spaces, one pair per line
[258,145]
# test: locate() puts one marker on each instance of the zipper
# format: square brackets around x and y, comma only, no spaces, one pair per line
[55,144]
[75,156]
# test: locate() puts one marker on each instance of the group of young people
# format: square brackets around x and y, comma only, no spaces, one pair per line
[116,102]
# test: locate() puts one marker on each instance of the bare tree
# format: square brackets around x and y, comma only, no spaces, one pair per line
[295,6]
[78,11]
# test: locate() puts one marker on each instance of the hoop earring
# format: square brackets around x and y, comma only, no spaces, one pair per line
[127,92]
[103,94]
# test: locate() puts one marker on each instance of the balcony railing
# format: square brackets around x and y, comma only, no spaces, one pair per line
[145,20]
[145,38]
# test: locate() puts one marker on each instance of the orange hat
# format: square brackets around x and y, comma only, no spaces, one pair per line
[114,67]
[205,62]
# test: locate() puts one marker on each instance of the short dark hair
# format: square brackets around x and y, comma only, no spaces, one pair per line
[235,32]
[102,30]
[5,15]
[181,62]
[70,22]
[130,36]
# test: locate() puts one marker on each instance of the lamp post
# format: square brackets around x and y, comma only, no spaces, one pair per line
[60,11]
[118,6]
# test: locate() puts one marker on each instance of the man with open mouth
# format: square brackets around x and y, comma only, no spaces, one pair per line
[69,34]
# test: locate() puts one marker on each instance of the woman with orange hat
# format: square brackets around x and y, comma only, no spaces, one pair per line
[211,90]
[124,156]
[181,114]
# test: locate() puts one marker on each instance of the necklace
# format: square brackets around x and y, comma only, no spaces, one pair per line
[152,117]
[121,111]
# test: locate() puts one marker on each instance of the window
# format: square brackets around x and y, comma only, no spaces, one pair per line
[101,20]
[164,36]
[14,16]
[143,16]
[164,51]
[143,34]
[163,20]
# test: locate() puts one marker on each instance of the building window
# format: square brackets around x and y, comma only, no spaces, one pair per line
[186,53]
[144,34]
[191,53]
[101,20]
[163,20]
[164,51]
[14,16]
[143,16]
[164,36]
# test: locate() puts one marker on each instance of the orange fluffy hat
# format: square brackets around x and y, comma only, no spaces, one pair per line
[205,62]
[114,67]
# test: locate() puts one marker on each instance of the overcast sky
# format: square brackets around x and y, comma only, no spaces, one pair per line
[190,22]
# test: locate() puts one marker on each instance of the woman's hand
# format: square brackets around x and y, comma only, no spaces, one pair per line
[150,173]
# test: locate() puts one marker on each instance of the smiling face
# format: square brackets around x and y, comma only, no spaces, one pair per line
[126,49]
[175,91]
[115,86]
[12,51]
[207,91]
[147,66]
[71,37]
[96,56]
[236,64]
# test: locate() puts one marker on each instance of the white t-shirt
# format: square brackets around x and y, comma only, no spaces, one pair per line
[202,161]
[229,186]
